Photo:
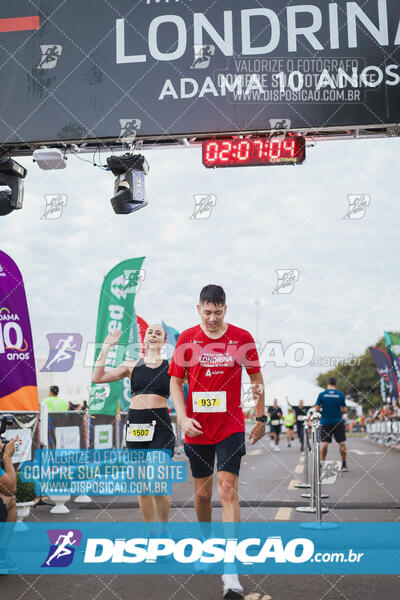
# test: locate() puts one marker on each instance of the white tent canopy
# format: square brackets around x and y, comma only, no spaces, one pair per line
[292,388]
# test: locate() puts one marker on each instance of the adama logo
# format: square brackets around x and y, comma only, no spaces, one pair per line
[210,373]
[12,337]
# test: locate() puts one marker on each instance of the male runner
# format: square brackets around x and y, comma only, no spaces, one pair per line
[332,404]
[289,420]
[301,417]
[275,415]
[212,355]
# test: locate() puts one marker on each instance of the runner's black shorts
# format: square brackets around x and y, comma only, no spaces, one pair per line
[337,430]
[289,426]
[275,429]
[163,439]
[229,455]
[3,512]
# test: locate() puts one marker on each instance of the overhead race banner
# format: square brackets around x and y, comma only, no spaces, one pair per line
[116,311]
[158,68]
[18,386]
[386,372]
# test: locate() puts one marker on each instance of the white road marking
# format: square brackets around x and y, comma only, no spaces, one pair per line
[362,453]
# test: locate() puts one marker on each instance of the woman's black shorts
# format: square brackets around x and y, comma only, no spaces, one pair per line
[163,439]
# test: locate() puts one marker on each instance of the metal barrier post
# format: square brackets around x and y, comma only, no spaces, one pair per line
[315,496]
[117,432]
[305,484]
[318,494]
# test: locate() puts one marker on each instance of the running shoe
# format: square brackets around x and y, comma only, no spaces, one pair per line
[232,587]
[344,468]
[277,449]
[202,568]
[7,566]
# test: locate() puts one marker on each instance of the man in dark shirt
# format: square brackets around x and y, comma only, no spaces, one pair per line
[275,415]
[332,404]
[301,417]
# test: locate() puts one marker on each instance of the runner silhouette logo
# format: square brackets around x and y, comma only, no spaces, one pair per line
[63,348]
[129,129]
[50,55]
[202,56]
[63,543]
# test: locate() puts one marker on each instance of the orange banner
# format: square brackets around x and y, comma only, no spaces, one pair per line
[26,398]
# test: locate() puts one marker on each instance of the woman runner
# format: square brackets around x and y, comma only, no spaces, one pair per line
[150,391]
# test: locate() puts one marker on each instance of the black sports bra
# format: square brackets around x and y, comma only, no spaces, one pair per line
[145,380]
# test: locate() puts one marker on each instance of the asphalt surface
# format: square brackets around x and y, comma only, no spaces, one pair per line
[369,491]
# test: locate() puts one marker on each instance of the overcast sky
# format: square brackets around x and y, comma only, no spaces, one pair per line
[265,218]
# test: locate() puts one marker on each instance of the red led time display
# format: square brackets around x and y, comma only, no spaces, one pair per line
[254,152]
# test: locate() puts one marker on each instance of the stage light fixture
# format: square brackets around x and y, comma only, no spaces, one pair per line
[129,189]
[49,158]
[12,176]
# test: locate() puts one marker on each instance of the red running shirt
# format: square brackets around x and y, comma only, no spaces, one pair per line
[215,365]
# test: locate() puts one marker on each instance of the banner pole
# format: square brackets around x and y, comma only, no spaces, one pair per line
[84,498]
[43,443]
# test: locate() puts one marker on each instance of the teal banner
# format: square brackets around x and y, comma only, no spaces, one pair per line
[248,548]
[116,311]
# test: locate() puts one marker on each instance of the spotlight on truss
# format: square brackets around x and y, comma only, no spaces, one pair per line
[49,158]
[12,177]
[129,191]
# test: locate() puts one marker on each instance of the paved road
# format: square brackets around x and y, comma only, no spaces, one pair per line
[370,491]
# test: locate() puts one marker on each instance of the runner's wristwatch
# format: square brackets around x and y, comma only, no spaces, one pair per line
[262,419]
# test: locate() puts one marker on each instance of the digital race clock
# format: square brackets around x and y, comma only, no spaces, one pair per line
[254,152]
